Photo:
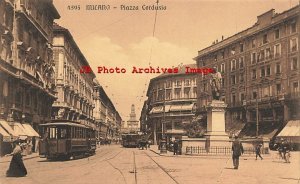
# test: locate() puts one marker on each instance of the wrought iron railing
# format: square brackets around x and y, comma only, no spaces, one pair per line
[219,150]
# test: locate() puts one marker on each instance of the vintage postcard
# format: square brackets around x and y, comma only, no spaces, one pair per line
[149,91]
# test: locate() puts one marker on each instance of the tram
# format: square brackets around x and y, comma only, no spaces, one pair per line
[130,140]
[66,139]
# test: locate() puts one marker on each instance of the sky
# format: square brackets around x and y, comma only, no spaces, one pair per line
[140,38]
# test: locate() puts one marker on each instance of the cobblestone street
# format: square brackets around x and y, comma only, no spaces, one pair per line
[114,164]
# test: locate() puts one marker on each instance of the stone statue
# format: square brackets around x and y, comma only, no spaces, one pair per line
[215,83]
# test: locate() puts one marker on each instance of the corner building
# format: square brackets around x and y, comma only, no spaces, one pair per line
[260,69]
[170,105]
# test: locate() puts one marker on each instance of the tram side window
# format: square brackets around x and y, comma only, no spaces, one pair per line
[53,133]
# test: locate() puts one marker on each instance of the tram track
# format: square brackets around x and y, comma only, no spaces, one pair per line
[162,168]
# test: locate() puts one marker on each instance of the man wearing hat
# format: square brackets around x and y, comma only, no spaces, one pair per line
[237,151]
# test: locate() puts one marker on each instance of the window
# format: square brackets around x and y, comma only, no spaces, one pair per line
[178,83]
[253,43]
[278,89]
[277,50]
[177,93]
[253,58]
[52,133]
[293,44]
[295,87]
[254,95]
[268,53]
[233,65]
[268,70]
[242,97]
[233,50]
[262,72]
[168,84]
[276,33]
[241,62]
[293,27]
[294,64]
[278,68]
[63,133]
[187,93]
[254,74]
[187,82]
[195,92]
[233,79]
[241,47]
[242,77]
[261,55]
[168,94]
[265,38]
[222,67]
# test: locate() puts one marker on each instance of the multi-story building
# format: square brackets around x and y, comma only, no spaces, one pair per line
[261,71]
[27,69]
[74,88]
[171,103]
[107,118]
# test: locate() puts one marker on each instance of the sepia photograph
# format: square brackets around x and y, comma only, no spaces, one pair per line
[149,91]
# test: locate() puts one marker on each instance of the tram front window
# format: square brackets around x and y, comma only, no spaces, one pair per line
[63,133]
[52,133]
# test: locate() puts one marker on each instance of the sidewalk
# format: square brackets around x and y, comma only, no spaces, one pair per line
[154,149]
[5,159]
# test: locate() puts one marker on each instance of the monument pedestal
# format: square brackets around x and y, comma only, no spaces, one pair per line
[215,134]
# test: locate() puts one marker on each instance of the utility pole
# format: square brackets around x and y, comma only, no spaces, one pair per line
[163,146]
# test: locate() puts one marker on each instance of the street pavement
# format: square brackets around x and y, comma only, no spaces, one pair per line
[114,164]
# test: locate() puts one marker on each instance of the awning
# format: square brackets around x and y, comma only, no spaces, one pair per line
[6,136]
[8,128]
[291,129]
[158,109]
[30,130]
[187,107]
[175,108]
[19,129]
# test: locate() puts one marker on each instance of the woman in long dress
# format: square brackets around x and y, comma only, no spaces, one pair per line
[16,167]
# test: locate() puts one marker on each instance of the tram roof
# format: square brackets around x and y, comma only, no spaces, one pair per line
[62,123]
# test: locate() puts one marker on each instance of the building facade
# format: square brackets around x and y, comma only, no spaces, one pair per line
[170,104]
[74,88]
[27,82]
[107,118]
[260,69]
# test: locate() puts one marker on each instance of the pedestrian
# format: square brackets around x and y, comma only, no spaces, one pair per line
[286,148]
[257,151]
[237,151]
[16,166]
[175,147]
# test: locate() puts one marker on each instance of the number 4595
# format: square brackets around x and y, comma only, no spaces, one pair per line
[74,7]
